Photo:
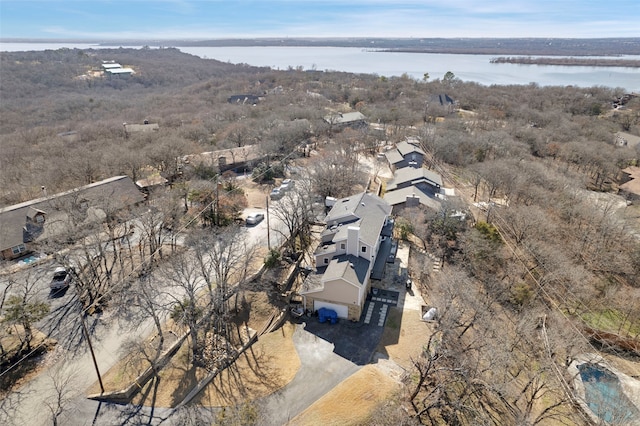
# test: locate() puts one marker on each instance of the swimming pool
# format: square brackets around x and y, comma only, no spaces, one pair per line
[604,395]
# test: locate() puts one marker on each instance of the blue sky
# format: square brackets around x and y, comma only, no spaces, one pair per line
[207,19]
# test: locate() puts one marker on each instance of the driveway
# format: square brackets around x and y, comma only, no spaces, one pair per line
[357,341]
[320,371]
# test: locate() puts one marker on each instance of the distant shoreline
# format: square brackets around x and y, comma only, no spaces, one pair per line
[578,62]
[469,46]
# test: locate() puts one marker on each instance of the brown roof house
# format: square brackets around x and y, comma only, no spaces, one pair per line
[347,254]
[24,224]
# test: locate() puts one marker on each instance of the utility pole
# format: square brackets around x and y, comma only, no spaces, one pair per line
[268,227]
[217,215]
[93,355]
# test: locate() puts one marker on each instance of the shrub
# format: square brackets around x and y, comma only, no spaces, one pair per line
[272,259]
[489,232]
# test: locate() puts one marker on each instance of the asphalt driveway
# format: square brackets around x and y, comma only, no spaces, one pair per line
[357,341]
[320,371]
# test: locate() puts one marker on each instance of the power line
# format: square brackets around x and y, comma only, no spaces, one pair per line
[148,258]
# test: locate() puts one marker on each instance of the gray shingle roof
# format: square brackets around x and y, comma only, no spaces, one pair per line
[346,118]
[405,148]
[364,210]
[393,156]
[352,269]
[399,196]
[411,174]
[110,194]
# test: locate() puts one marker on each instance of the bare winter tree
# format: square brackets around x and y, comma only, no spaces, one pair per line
[20,310]
[186,284]
[336,173]
[223,260]
[145,299]
[63,389]
[296,211]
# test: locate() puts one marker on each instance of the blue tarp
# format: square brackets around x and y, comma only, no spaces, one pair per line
[325,315]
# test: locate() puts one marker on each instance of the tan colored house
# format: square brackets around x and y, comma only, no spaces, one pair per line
[348,119]
[238,158]
[346,255]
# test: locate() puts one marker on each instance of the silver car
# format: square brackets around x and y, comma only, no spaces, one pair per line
[254,218]
[61,279]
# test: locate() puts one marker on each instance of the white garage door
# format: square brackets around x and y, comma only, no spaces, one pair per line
[341,310]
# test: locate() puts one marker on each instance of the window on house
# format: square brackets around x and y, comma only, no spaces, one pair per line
[342,246]
[18,249]
[40,218]
[326,261]
[364,249]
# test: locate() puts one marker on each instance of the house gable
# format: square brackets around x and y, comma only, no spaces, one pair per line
[26,222]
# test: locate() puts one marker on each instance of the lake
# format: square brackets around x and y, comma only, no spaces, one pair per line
[475,68]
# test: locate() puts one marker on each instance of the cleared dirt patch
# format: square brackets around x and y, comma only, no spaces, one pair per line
[267,366]
[351,401]
[403,336]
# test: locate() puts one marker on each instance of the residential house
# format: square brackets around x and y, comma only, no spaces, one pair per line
[33,221]
[444,101]
[405,154]
[348,119]
[428,181]
[110,66]
[119,72]
[151,183]
[140,128]
[411,187]
[244,99]
[349,250]
[113,69]
[626,139]
[238,159]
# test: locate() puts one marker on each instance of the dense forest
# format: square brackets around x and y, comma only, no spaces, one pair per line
[557,252]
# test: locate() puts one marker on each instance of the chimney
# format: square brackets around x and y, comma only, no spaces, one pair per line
[353,235]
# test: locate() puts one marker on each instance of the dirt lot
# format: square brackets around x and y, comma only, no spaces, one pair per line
[267,366]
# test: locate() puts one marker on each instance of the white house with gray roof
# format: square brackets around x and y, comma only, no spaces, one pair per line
[345,258]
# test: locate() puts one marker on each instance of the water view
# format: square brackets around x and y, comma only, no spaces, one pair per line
[473,68]
[476,68]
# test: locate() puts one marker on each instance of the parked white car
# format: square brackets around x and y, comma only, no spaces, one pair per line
[276,193]
[287,184]
[254,218]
